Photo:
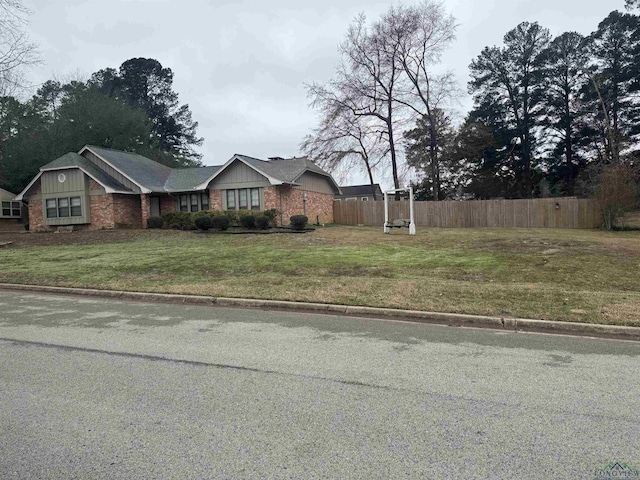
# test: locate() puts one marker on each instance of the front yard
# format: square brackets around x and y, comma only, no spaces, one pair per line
[571,275]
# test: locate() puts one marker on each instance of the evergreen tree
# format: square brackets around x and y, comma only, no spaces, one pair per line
[144,83]
[563,110]
[64,118]
[613,80]
[508,81]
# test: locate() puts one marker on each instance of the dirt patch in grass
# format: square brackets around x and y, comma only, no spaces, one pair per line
[82,237]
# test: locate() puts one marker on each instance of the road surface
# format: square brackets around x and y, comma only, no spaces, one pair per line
[94,388]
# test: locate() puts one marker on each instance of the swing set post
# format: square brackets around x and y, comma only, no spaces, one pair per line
[412,223]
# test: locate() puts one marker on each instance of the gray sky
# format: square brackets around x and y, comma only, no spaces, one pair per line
[241,65]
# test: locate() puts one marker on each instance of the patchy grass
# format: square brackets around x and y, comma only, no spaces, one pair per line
[571,275]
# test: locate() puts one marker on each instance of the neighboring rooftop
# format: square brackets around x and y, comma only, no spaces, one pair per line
[361,190]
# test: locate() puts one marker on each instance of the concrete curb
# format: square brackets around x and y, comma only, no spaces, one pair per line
[450,319]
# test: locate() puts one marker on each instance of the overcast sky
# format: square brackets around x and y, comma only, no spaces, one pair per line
[242,65]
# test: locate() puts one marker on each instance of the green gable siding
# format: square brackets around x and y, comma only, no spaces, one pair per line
[75,184]
[312,182]
[74,181]
[238,175]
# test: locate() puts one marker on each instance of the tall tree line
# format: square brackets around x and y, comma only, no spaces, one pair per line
[133,109]
[548,111]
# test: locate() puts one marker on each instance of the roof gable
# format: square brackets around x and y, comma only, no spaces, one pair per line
[6,194]
[277,171]
[73,160]
[148,175]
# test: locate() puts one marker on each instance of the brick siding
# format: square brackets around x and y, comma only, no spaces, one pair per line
[145,206]
[11,225]
[215,199]
[127,211]
[317,205]
[101,208]
[95,186]
[36,216]
[167,204]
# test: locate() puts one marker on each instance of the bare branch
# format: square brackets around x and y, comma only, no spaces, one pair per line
[16,50]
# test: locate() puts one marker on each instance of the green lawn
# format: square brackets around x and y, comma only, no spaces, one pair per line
[574,275]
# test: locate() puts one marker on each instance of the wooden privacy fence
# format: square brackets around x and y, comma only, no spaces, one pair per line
[534,213]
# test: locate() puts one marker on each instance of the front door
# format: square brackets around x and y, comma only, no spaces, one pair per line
[155,206]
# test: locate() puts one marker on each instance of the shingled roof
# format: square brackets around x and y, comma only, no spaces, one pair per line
[278,171]
[151,176]
[286,170]
[183,179]
[141,170]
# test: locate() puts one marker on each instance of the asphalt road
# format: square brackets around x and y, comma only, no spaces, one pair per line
[93,388]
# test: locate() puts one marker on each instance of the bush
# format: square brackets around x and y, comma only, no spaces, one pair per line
[248,222]
[271,214]
[220,222]
[298,222]
[176,226]
[616,193]
[262,222]
[155,222]
[184,219]
[203,222]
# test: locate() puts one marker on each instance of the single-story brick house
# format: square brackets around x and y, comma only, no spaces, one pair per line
[103,188]
[11,213]
[361,193]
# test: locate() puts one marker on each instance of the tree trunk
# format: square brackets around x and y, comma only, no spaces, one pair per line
[433,154]
[392,147]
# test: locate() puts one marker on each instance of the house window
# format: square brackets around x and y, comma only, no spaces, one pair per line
[63,207]
[76,207]
[365,199]
[247,198]
[242,199]
[352,199]
[193,202]
[255,199]
[11,209]
[184,207]
[52,208]
[231,199]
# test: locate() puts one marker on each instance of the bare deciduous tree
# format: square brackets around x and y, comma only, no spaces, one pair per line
[422,33]
[345,141]
[16,50]
[385,80]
